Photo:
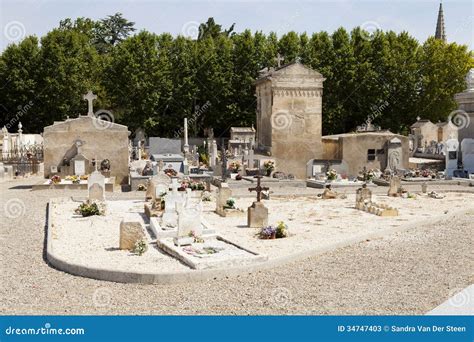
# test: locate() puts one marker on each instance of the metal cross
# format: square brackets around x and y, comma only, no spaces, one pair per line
[259,188]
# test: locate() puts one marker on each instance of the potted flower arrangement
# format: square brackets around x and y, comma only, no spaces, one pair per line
[141,187]
[268,233]
[331,175]
[230,204]
[170,172]
[269,166]
[55,179]
[84,177]
[234,166]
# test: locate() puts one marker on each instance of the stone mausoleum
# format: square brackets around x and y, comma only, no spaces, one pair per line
[289,116]
[70,147]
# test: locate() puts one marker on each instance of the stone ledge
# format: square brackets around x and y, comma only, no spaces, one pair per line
[202,275]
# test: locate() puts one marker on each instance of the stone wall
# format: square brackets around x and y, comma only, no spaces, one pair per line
[100,141]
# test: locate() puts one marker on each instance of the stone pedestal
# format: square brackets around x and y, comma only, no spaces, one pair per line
[394,189]
[257,215]
[223,195]
[130,233]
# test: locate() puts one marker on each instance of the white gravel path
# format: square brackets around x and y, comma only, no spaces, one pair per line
[404,273]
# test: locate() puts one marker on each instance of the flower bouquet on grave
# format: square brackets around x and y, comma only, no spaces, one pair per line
[268,233]
[74,179]
[197,239]
[84,177]
[369,176]
[331,175]
[90,208]
[141,187]
[184,186]
[55,179]
[281,230]
[206,196]
[269,166]
[234,167]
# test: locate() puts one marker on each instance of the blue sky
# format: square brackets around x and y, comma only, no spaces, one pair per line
[418,17]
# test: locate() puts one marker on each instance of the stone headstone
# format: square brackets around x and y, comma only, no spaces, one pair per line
[96,186]
[257,215]
[157,185]
[190,221]
[395,155]
[363,196]
[170,216]
[130,233]
[164,146]
[451,149]
[2,171]
[394,186]
[223,194]
[467,150]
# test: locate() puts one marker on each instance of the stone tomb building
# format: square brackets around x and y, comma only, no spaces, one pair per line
[381,150]
[289,116]
[86,138]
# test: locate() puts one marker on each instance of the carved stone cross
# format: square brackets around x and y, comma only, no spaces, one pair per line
[90,97]
[279,59]
[259,188]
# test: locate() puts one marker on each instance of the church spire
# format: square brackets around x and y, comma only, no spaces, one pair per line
[440,33]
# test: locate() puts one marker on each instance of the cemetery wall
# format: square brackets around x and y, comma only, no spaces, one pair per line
[106,142]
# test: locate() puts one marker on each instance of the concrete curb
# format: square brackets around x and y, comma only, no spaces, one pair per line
[201,275]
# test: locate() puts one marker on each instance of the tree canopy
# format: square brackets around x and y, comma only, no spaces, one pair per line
[153,81]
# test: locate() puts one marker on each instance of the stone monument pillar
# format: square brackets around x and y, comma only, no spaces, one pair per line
[463,118]
[186,145]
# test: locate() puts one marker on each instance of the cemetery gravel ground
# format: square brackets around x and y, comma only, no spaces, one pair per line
[404,273]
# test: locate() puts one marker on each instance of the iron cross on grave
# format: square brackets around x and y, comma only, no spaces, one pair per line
[259,188]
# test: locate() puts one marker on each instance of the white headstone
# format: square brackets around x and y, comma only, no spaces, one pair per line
[186,145]
[189,221]
[96,186]
[451,149]
[213,154]
[467,150]
[79,167]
